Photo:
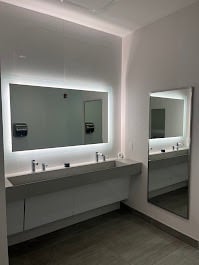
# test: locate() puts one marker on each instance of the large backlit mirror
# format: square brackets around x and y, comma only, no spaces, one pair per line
[46,117]
[169,150]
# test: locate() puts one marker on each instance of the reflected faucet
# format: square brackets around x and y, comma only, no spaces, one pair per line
[98,154]
[34,164]
[178,145]
[44,166]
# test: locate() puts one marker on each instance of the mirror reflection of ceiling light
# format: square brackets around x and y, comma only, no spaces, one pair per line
[22,56]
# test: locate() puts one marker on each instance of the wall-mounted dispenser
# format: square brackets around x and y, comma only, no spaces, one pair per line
[20,129]
[89,127]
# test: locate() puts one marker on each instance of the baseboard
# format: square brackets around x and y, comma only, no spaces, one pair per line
[48,228]
[194,243]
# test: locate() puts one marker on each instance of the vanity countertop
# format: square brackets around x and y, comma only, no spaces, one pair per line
[59,167]
[49,169]
[33,184]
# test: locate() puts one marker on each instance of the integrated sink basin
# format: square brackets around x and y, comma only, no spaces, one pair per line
[33,184]
[66,172]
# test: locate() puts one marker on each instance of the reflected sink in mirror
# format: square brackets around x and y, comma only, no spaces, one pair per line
[167,154]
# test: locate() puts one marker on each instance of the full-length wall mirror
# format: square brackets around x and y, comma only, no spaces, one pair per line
[169,150]
[47,117]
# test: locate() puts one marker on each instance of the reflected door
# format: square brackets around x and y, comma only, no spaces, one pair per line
[93,121]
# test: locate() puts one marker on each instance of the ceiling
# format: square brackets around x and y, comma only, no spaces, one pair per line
[119,17]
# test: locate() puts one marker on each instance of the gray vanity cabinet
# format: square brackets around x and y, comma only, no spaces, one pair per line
[51,200]
[48,208]
[51,207]
[15,217]
[44,209]
[93,196]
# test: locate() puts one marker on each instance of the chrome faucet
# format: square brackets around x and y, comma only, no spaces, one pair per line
[98,154]
[44,166]
[177,146]
[34,164]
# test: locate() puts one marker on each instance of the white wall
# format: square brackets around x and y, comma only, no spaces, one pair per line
[163,56]
[3,227]
[36,49]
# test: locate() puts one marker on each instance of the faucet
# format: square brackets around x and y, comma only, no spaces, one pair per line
[34,164]
[44,166]
[98,154]
[178,144]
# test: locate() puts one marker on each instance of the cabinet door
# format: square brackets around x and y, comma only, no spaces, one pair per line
[15,217]
[96,195]
[44,209]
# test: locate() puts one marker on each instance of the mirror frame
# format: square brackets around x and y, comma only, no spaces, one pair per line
[189,151]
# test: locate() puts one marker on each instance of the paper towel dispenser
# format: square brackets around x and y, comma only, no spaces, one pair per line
[89,127]
[20,129]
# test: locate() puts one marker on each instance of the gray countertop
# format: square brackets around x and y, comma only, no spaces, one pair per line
[56,180]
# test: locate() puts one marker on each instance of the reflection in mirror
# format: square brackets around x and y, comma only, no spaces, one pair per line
[166,117]
[157,123]
[169,150]
[46,117]
[93,121]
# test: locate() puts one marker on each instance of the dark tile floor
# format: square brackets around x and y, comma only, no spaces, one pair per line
[117,238]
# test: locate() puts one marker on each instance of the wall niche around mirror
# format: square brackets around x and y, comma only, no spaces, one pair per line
[169,150]
[48,117]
